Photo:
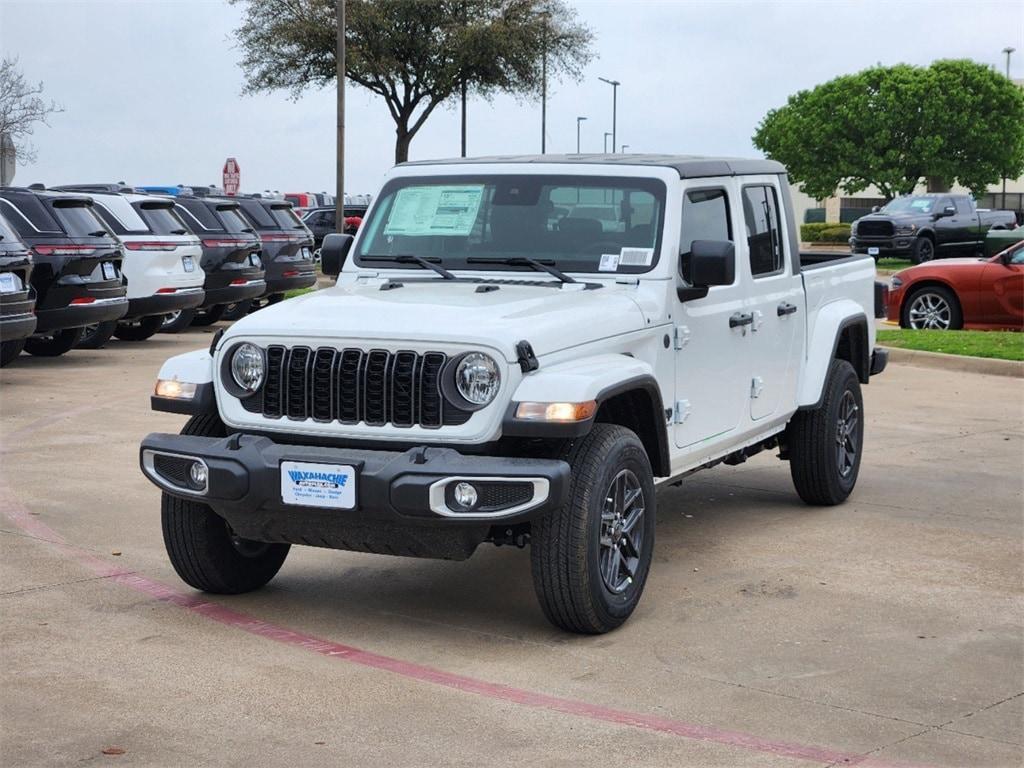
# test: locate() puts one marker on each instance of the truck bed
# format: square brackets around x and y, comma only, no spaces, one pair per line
[818,259]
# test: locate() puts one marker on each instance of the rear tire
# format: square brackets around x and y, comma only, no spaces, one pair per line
[590,559]
[54,344]
[96,336]
[237,311]
[209,316]
[176,322]
[10,350]
[203,549]
[825,445]
[139,330]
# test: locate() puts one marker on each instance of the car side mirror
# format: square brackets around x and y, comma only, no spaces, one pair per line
[875,208]
[711,262]
[949,210]
[333,253]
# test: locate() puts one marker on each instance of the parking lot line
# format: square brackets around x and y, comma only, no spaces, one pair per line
[20,516]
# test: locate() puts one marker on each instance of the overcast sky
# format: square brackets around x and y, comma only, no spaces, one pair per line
[151,88]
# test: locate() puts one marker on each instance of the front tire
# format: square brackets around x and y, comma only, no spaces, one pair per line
[923,250]
[203,549]
[590,559]
[139,330]
[825,445]
[54,344]
[96,336]
[932,307]
[176,322]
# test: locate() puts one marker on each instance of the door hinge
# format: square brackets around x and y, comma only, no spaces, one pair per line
[756,387]
[682,336]
[681,412]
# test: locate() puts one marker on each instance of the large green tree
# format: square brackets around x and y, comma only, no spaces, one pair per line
[892,127]
[415,54]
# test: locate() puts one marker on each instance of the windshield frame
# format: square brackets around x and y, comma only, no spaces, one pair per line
[652,184]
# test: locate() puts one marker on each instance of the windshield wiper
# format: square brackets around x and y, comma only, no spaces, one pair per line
[524,261]
[408,258]
[179,232]
[98,233]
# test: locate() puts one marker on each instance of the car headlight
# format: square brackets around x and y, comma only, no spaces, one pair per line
[247,367]
[906,229]
[477,378]
[897,282]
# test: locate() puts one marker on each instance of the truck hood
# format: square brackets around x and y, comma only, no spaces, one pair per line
[550,318]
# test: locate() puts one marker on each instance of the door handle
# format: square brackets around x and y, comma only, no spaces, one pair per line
[785,308]
[740,319]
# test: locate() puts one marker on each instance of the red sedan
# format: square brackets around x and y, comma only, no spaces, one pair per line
[986,294]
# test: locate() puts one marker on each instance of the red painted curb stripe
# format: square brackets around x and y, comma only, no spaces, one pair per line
[23,519]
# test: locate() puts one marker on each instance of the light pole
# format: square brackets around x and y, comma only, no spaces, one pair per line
[623,148]
[545,17]
[339,60]
[606,135]
[615,92]
[578,121]
[1007,50]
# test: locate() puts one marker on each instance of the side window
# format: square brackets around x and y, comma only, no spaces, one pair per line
[943,204]
[963,206]
[764,236]
[109,219]
[705,217]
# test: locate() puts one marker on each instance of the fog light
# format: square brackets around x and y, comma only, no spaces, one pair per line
[197,473]
[465,495]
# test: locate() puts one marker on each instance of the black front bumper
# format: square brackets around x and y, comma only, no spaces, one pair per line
[897,245]
[163,303]
[402,502]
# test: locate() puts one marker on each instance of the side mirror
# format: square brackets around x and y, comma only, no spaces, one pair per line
[333,252]
[711,262]
[949,210]
[875,208]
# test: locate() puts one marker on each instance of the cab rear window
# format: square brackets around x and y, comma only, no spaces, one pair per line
[161,220]
[285,217]
[232,220]
[78,219]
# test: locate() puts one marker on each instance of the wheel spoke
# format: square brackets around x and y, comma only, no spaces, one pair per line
[630,522]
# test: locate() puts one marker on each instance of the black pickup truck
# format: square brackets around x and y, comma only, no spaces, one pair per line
[925,227]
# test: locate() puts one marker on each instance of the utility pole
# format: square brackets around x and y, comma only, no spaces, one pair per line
[545,16]
[339,55]
[578,121]
[615,91]
[463,89]
[1007,50]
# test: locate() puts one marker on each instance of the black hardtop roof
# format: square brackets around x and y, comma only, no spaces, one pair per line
[15,192]
[687,166]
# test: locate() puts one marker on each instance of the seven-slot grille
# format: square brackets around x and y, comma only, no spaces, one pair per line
[871,228]
[376,387]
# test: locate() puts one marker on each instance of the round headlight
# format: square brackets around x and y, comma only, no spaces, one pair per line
[477,378]
[247,367]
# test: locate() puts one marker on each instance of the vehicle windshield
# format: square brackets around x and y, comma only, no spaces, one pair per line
[574,223]
[910,205]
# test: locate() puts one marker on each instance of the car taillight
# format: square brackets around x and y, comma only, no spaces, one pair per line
[275,237]
[290,273]
[167,290]
[64,250]
[239,281]
[150,246]
[83,300]
[223,243]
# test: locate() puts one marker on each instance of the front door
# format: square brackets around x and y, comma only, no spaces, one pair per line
[712,365]
[1001,292]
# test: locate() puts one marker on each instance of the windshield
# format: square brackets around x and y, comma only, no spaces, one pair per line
[161,220]
[574,223]
[232,220]
[910,205]
[285,217]
[78,219]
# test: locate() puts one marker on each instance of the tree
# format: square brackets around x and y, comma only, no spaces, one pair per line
[415,54]
[21,108]
[891,127]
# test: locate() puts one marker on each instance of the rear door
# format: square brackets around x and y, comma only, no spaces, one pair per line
[776,299]
[712,364]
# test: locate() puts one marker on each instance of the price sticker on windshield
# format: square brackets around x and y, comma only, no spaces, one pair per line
[435,210]
[609,262]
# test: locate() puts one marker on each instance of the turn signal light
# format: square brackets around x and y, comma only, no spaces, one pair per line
[174,389]
[558,412]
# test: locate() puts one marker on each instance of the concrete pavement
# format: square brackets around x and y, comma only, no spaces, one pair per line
[885,631]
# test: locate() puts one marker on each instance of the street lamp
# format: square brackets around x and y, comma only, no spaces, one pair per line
[606,135]
[1007,50]
[623,148]
[615,91]
[578,121]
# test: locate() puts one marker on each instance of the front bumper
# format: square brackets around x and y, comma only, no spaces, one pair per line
[402,500]
[897,245]
[162,303]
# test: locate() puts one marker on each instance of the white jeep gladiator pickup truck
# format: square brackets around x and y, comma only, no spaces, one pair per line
[518,350]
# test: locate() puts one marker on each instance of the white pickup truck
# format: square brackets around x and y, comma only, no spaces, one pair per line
[518,350]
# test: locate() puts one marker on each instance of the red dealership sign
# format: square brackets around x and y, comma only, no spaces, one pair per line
[232,173]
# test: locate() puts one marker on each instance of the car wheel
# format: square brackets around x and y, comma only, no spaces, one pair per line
[203,549]
[590,559]
[139,329]
[10,350]
[932,307]
[176,322]
[275,298]
[209,316]
[53,344]
[96,336]
[237,311]
[923,250]
[825,444]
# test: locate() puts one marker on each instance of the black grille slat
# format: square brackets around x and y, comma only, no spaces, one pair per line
[353,386]
[871,228]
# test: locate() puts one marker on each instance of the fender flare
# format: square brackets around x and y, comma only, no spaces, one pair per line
[832,321]
[194,367]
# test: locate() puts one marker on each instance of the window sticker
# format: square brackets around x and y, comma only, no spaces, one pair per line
[636,257]
[609,262]
[435,210]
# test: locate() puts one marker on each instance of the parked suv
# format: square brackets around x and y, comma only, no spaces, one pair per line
[287,252]
[231,259]
[17,299]
[161,266]
[77,265]
[504,360]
